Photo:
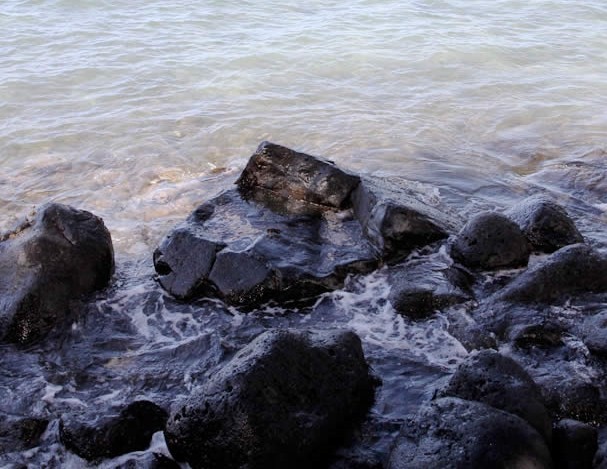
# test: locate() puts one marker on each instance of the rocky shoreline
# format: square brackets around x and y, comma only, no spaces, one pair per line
[530,394]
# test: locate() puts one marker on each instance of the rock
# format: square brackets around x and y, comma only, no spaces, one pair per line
[600,458]
[149,461]
[594,333]
[452,432]
[573,269]
[574,444]
[490,241]
[398,217]
[422,286]
[471,334]
[59,255]
[545,224]
[288,174]
[112,436]
[248,254]
[500,382]
[285,400]
[20,433]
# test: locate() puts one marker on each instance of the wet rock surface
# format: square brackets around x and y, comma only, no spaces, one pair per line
[574,444]
[500,382]
[452,432]
[422,286]
[285,400]
[20,433]
[131,430]
[490,241]
[546,224]
[57,256]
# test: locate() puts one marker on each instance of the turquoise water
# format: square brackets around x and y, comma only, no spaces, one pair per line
[140,110]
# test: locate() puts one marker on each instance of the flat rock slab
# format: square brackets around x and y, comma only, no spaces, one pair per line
[452,432]
[285,400]
[58,255]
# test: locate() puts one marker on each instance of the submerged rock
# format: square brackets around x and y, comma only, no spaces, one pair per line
[398,217]
[292,175]
[452,432]
[573,269]
[420,287]
[545,223]
[285,400]
[490,241]
[500,382]
[112,436]
[287,234]
[59,255]
[575,444]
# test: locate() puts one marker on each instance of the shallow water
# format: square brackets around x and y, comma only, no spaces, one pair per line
[140,112]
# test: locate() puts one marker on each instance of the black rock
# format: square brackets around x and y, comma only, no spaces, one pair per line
[573,269]
[247,254]
[452,432]
[490,241]
[574,444]
[546,224]
[422,286]
[398,217]
[285,400]
[112,436]
[59,255]
[290,175]
[500,382]
[20,433]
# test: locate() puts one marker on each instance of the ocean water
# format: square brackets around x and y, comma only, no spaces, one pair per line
[139,111]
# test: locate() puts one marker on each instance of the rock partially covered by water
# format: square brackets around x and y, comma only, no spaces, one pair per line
[575,444]
[59,255]
[20,433]
[397,216]
[594,333]
[452,432]
[248,254]
[285,400]
[490,241]
[573,269]
[500,382]
[287,235]
[291,175]
[546,224]
[112,436]
[421,286]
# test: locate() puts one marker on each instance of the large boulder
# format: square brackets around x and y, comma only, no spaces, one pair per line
[247,254]
[58,255]
[398,216]
[420,287]
[500,382]
[452,432]
[112,435]
[285,400]
[288,174]
[546,224]
[490,241]
[577,268]
[575,444]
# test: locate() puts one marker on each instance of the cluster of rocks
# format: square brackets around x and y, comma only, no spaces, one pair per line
[295,227]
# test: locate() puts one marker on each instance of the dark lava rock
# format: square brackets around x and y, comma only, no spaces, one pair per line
[574,444]
[59,255]
[421,286]
[573,269]
[546,224]
[248,254]
[397,216]
[112,436]
[594,333]
[452,432]
[20,433]
[490,241]
[288,174]
[285,400]
[500,382]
